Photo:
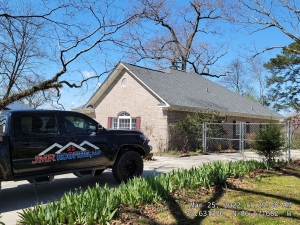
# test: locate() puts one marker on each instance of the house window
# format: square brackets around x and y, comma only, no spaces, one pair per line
[124,122]
[124,82]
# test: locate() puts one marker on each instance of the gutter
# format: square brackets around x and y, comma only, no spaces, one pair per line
[222,113]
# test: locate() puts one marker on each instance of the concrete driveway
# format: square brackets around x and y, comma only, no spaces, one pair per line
[16,196]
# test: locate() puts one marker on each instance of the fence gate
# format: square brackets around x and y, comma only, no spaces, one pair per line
[232,137]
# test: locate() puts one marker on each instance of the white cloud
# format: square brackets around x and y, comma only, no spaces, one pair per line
[88,74]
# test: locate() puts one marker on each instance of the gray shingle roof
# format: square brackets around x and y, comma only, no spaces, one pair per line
[188,89]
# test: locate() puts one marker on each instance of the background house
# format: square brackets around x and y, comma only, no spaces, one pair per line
[134,97]
[17,105]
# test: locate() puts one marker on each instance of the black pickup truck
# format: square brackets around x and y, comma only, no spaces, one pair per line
[36,145]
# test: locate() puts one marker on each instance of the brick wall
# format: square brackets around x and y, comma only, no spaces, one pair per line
[138,102]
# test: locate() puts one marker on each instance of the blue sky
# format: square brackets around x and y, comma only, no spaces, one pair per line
[72,98]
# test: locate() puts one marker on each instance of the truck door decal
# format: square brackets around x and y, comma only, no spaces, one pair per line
[58,156]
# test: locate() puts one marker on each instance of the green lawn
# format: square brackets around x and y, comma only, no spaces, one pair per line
[262,197]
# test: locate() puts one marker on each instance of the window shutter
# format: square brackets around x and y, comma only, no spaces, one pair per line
[109,119]
[138,123]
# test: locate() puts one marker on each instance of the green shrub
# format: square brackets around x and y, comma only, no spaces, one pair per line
[269,141]
[186,134]
[295,141]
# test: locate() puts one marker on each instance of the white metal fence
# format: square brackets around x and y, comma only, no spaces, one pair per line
[230,137]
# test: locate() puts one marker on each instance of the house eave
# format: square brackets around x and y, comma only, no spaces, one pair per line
[221,113]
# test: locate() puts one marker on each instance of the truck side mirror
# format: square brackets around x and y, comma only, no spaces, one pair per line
[99,128]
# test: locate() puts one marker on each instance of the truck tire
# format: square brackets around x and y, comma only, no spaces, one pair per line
[127,166]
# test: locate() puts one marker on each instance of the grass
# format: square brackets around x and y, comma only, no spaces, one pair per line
[261,197]
[1,223]
[210,194]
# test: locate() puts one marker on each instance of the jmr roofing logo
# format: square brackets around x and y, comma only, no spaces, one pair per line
[71,152]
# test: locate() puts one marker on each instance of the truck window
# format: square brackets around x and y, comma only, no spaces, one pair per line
[38,124]
[78,124]
[2,124]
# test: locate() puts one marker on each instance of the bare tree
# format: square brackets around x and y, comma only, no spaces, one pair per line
[35,37]
[257,71]
[259,15]
[22,54]
[177,34]
[40,98]
[238,80]
[283,16]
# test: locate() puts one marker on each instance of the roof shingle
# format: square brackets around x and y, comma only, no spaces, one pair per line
[188,89]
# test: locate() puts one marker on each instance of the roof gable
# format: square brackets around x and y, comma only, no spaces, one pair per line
[109,80]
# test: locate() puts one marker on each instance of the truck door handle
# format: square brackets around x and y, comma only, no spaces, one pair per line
[27,142]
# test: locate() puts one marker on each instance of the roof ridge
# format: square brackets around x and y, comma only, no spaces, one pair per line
[146,68]
[164,70]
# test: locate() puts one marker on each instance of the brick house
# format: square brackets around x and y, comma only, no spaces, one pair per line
[134,97]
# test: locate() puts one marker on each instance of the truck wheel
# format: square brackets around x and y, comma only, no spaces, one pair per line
[128,165]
